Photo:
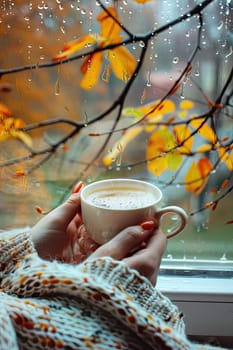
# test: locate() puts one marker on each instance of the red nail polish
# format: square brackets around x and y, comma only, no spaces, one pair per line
[148,225]
[77,187]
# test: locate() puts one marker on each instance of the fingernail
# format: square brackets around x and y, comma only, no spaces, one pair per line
[77,187]
[148,225]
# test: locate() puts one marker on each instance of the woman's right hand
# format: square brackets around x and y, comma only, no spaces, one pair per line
[141,247]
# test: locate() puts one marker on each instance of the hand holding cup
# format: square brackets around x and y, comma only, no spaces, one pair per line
[109,206]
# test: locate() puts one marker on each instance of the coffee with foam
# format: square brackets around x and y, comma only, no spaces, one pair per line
[121,198]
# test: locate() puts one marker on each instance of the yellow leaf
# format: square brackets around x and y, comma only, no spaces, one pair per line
[153,109]
[226,158]
[159,143]
[186,104]
[157,166]
[203,148]
[122,62]
[128,136]
[110,29]
[132,112]
[183,114]
[152,122]
[91,70]
[174,160]
[205,130]
[23,136]
[184,138]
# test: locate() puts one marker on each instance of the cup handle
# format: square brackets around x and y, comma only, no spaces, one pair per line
[177,210]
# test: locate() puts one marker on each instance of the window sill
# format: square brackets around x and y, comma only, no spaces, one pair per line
[205,297]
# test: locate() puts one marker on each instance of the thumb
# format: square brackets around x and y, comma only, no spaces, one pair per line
[72,206]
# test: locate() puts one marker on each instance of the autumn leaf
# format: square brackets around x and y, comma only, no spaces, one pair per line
[4,111]
[183,138]
[155,149]
[204,148]
[197,175]
[174,161]
[11,127]
[204,130]
[128,136]
[132,112]
[187,104]
[160,144]
[121,61]
[153,112]
[185,107]
[226,158]
[91,69]
[73,46]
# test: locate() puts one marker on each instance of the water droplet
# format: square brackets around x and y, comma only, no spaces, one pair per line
[141,43]
[85,119]
[175,60]
[148,82]
[62,29]
[223,257]
[220,25]
[169,256]
[57,87]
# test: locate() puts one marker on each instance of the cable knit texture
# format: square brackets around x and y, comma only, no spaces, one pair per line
[100,304]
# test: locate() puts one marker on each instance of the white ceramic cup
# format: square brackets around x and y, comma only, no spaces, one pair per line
[109,206]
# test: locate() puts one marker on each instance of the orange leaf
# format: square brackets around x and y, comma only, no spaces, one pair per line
[74,46]
[4,111]
[205,167]
[225,184]
[197,175]
[193,183]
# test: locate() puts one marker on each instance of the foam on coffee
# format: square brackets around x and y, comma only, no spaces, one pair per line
[121,198]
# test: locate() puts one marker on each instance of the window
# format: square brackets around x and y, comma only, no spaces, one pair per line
[157,108]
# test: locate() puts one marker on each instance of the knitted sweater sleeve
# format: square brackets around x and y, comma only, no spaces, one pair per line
[103,283]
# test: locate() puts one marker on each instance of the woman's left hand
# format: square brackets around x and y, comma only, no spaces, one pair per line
[61,235]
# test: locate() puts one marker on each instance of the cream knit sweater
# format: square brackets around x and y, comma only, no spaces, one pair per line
[100,304]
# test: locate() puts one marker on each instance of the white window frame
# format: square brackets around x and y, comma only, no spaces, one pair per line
[203,290]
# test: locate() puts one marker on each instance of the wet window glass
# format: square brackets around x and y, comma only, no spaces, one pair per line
[134,89]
